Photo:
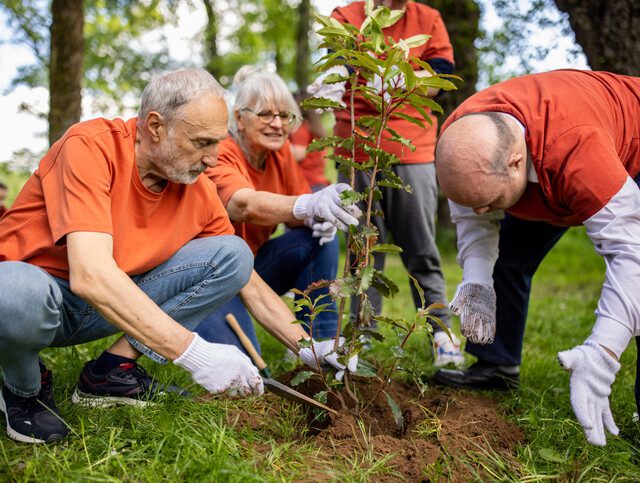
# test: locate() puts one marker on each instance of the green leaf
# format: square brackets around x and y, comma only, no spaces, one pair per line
[411,119]
[320,103]
[417,40]
[302,343]
[321,397]
[386,248]
[397,413]
[334,79]
[366,313]
[365,369]
[384,284]
[300,377]
[366,275]
[548,454]
[418,289]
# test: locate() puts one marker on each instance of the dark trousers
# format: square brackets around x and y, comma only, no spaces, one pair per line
[523,246]
[292,260]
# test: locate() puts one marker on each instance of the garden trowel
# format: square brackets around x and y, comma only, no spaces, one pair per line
[271,384]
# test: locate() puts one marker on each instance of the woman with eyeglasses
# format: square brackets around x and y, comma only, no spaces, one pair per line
[261,185]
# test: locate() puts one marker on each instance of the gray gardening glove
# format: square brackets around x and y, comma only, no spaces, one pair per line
[325,205]
[221,368]
[325,230]
[334,91]
[324,353]
[592,373]
[476,305]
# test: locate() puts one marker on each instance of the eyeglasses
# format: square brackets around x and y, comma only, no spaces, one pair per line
[267,117]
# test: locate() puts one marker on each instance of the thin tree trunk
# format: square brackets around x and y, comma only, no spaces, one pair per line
[302,45]
[65,66]
[212,59]
[608,32]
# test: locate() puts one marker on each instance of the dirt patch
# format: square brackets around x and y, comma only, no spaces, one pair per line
[446,434]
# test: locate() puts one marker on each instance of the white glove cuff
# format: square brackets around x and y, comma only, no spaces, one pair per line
[196,355]
[477,270]
[301,207]
[611,334]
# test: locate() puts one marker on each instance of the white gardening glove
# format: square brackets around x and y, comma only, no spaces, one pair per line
[334,91]
[325,230]
[221,368]
[592,373]
[395,82]
[325,354]
[475,303]
[325,205]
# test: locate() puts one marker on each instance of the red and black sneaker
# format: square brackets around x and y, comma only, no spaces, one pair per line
[128,383]
[34,419]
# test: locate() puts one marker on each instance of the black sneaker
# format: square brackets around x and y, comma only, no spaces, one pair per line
[479,376]
[128,383]
[34,419]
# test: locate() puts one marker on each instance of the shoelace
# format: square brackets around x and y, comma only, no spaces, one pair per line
[134,372]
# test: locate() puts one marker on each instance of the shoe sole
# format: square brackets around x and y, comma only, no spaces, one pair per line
[90,400]
[12,433]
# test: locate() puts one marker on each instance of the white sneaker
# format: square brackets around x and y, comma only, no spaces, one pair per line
[446,351]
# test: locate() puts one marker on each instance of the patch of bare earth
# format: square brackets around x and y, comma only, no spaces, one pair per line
[446,433]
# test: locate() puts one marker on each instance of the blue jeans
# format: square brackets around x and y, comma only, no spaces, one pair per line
[523,245]
[292,260]
[38,310]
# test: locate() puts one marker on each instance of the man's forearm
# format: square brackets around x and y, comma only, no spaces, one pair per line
[94,276]
[272,313]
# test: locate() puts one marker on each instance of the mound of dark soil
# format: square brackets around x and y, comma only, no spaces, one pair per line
[440,425]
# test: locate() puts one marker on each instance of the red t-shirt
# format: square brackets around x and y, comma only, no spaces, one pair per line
[3,210]
[89,181]
[418,19]
[280,174]
[583,134]
[312,166]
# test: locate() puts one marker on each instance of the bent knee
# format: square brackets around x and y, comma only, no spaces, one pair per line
[237,262]
[31,299]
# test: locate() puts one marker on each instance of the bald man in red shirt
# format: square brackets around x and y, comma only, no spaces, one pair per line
[544,152]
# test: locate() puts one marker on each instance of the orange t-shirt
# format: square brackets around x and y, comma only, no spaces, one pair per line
[89,181]
[312,166]
[3,210]
[280,174]
[418,19]
[583,135]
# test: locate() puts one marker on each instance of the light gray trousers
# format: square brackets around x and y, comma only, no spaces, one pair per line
[410,220]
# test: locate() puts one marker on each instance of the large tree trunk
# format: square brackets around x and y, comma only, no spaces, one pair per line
[302,45]
[462,19]
[212,59]
[65,66]
[608,32]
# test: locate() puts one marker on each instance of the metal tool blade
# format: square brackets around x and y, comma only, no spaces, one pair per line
[286,392]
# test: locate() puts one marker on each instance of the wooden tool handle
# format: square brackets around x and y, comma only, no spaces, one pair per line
[246,342]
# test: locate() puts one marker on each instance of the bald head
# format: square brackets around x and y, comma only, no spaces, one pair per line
[479,157]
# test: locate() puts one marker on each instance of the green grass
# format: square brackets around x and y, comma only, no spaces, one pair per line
[223,440]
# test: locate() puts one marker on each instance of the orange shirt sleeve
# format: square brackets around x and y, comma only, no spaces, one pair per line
[76,189]
[229,173]
[296,183]
[219,224]
[439,45]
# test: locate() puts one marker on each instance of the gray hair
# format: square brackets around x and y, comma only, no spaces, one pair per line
[256,89]
[170,92]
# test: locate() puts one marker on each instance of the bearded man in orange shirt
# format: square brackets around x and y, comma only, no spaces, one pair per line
[116,231]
